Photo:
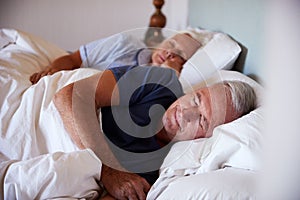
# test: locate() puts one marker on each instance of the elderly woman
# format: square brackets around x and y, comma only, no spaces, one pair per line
[124,50]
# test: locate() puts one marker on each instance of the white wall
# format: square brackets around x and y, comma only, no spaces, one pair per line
[281,176]
[241,19]
[70,23]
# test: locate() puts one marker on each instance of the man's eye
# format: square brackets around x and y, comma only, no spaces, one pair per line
[196,100]
[200,121]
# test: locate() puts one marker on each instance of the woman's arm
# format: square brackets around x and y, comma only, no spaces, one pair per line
[77,104]
[67,62]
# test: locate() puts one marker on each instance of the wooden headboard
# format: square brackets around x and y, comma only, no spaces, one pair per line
[242,20]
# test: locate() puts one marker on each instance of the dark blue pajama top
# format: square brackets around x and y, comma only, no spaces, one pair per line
[145,93]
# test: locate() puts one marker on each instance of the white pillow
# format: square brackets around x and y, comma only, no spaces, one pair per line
[236,144]
[225,184]
[218,51]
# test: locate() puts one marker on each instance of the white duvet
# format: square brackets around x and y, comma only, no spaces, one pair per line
[38,160]
[45,159]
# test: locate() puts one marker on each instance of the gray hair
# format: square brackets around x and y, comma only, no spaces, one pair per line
[243,96]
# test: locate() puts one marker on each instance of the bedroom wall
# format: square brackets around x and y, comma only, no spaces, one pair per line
[241,19]
[70,23]
[281,177]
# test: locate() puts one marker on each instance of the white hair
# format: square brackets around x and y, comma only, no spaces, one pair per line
[243,96]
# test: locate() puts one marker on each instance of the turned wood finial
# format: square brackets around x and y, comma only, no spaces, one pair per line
[157,21]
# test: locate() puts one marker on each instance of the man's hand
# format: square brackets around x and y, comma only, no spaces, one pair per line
[124,185]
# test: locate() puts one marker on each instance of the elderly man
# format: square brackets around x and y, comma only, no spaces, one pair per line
[138,132]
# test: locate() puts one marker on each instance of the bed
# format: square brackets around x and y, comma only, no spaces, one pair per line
[34,144]
[31,133]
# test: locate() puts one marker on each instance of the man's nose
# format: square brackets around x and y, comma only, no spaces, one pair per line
[191,114]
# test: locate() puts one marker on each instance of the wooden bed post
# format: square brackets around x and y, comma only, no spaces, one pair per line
[158,20]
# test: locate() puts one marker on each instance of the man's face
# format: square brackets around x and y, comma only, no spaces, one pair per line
[176,49]
[196,114]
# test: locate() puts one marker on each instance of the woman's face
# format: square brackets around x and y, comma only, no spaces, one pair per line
[196,114]
[168,50]
[175,49]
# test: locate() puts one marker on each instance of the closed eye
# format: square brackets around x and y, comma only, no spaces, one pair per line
[202,119]
[196,100]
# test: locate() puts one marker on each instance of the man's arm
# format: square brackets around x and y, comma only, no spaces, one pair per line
[77,104]
[67,62]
